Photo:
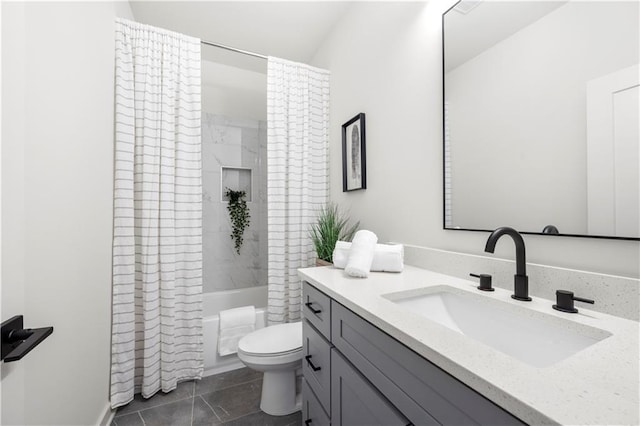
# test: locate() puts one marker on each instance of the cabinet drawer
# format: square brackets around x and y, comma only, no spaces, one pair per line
[355,402]
[316,308]
[312,412]
[316,364]
[397,371]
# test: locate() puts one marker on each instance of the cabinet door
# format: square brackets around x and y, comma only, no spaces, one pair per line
[312,412]
[355,402]
[316,365]
[317,309]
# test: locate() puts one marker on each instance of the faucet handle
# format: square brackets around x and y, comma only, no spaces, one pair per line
[485,282]
[564,301]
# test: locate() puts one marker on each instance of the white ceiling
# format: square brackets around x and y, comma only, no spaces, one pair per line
[291,30]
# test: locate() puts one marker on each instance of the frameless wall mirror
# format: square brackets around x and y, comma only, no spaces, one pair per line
[541,119]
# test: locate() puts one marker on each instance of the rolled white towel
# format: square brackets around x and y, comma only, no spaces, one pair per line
[340,254]
[234,325]
[386,257]
[361,254]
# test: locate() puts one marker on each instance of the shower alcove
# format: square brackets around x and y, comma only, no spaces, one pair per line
[234,157]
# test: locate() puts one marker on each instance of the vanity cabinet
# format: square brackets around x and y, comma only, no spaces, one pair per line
[317,309]
[316,363]
[366,377]
[355,401]
[312,411]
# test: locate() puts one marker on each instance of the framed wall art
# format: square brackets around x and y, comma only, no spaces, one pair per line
[354,169]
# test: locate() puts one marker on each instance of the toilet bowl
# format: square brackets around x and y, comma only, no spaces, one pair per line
[277,351]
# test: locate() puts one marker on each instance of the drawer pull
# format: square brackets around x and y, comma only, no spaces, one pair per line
[313,367]
[315,311]
[308,422]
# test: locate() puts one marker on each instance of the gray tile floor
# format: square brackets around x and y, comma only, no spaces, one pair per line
[230,399]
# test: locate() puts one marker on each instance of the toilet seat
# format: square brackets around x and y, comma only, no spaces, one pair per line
[265,355]
[277,351]
[273,341]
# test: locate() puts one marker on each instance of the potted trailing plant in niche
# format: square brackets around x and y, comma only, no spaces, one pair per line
[239,215]
[330,227]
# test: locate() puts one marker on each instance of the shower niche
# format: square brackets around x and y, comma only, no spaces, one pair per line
[237,179]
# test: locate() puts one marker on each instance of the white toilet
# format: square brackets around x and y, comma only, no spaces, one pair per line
[277,351]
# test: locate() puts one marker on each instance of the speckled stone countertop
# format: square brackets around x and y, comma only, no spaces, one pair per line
[598,385]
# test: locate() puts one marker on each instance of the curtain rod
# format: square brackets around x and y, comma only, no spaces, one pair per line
[233,49]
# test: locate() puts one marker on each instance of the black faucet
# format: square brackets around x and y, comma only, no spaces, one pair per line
[520,279]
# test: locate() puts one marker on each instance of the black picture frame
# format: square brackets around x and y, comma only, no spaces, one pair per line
[354,164]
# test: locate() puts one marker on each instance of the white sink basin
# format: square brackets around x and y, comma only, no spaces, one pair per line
[532,337]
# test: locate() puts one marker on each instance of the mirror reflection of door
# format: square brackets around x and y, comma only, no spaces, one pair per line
[613,153]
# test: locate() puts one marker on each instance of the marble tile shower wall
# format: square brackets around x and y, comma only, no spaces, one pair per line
[241,143]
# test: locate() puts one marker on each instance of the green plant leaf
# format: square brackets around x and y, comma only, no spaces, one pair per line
[239,215]
[331,226]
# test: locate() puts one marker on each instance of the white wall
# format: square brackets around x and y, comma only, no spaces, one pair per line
[550,63]
[233,91]
[385,60]
[57,179]
[13,294]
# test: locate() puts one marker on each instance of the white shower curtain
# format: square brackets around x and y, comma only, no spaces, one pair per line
[297,177]
[157,229]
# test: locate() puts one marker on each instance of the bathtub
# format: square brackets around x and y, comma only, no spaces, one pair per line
[213,303]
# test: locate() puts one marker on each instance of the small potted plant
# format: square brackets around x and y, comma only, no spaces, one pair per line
[331,226]
[239,215]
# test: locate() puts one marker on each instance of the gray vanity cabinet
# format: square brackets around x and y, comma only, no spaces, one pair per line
[355,402]
[367,377]
[316,363]
[312,412]
[316,360]
[316,309]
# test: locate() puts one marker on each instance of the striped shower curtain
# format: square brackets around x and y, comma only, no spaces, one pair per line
[297,177]
[157,228]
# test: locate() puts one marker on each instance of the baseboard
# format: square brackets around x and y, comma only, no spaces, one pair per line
[107,416]
[223,368]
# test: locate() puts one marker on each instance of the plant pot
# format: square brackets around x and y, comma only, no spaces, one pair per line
[321,262]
